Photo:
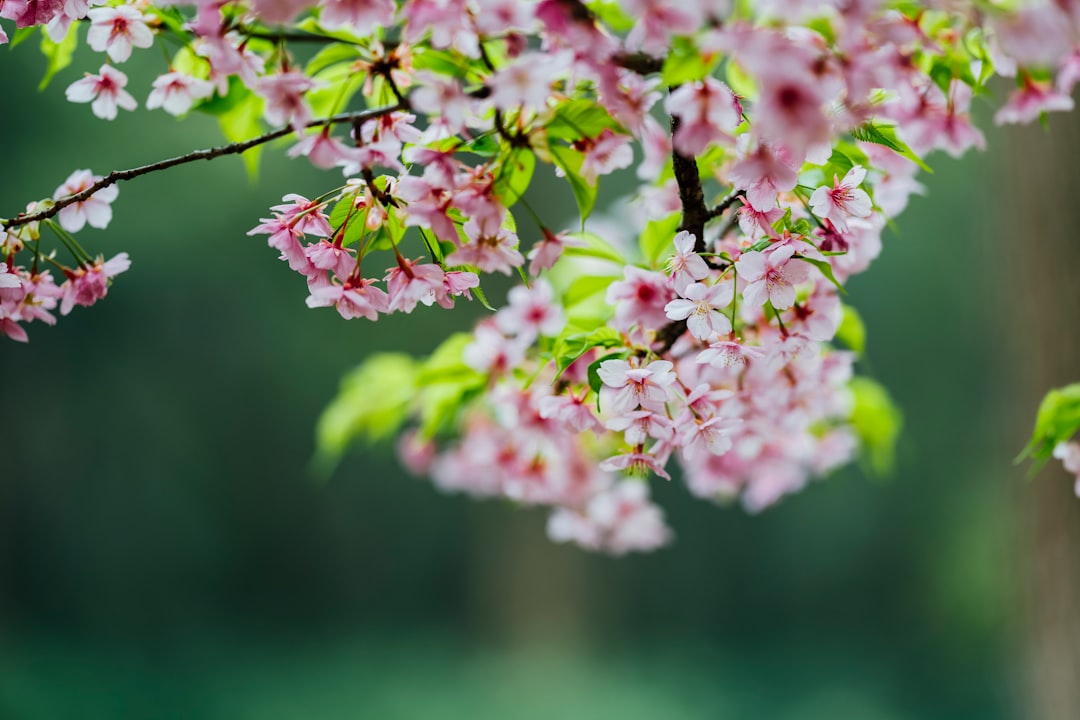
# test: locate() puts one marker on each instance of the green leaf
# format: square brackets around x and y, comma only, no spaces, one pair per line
[241,122]
[740,82]
[21,34]
[570,161]
[187,62]
[657,240]
[878,422]
[594,247]
[446,361]
[480,296]
[569,348]
[514,174]
[372,404]
[581,118]
[170,18]
[611,13]
[332,54]
[442,62]
[885,135]
[483,145]
[852,331]
[585,287]
[58,54]
[1058,420]
[826,270]
[447,385]
[685,63]
[339,84]
[763,243]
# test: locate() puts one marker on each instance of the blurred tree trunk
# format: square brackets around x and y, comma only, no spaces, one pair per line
[1041,278]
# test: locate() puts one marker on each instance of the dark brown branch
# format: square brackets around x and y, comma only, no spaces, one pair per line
[208,154]
[283,36]
[695,212]
[695,215]
[731,199]
[640,63]
[668,334]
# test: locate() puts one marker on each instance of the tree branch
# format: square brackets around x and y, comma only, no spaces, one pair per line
[207,154]
[695,215]
[734,197]
[692,197]
[285,36]
[638,62]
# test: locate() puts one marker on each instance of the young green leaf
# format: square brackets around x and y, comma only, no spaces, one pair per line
[1058,420]
[570,160]
[878,422]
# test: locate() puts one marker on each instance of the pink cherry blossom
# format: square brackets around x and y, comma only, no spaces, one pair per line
[105,91]
[86,285]
[762,174]
[729,354]
[686,266]
[360,16]
[493,352]
[638,426]
[790,111]
[427,207]
[647,387]
[410,282]
[605,154]
[618,521]
[322,149]
[95,211]
[490,248]
[26,13]
[175,93]
[526,82]
[456,283]
[544,254]
[1030,101]
[116,30]
[771,276]
[843,200]
[700,306]
[531,312]
[284,96]
[353,299]
[443,97]
[635,463]
[712,435]
[325,255]
[570,410]
[640,298]
[708,112]
[8,279]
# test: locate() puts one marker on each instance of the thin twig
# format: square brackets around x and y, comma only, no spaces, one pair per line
[283,36]
[207,154]
[638,62]
[734,197]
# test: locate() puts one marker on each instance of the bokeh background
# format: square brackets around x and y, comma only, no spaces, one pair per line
[165,553]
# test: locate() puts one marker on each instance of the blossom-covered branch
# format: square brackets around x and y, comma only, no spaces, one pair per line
[236,148]
[702,328]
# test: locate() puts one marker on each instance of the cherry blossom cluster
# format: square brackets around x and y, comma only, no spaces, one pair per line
[30,293]
[706,330]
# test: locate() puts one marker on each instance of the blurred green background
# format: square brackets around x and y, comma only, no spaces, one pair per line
[164,553]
